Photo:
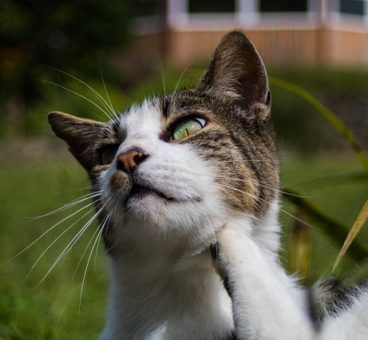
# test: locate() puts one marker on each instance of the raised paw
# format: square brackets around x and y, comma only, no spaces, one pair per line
[229,252]
[221,265]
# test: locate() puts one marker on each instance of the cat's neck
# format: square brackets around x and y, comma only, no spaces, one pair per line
[166,288]
[170,286]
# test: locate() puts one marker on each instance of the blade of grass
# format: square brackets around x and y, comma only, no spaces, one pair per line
[337,179]
[333,229]
[299,250]
[357,226]
[327,114]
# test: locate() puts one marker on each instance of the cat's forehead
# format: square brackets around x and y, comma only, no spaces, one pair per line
[144,118]
[157,112]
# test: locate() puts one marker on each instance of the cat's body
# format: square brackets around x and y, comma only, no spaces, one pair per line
[173,177]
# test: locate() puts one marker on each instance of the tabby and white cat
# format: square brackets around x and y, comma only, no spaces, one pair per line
[188,205]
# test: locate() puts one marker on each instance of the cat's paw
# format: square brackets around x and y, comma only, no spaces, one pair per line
[219,261]
[232,239]
[221,265]
[226,252]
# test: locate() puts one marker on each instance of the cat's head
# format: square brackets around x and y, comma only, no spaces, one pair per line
[181,165]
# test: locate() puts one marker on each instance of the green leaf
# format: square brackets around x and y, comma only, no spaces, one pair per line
[327,114]
[357,226]
[333,229]
[337,179]
[300,250]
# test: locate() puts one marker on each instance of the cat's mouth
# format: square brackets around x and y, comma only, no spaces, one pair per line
[140,191]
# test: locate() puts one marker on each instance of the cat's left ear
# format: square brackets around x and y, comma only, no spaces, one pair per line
[237,76]
[80,135]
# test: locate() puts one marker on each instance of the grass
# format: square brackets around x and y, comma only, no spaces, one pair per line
[51,310]
[341,200]
[31,187]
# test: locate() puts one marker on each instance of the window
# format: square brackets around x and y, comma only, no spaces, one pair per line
[211,6]
[352,7]
[283,5]
[144,8]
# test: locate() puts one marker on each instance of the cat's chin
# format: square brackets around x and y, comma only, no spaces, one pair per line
[139,194]
[144,202]
[150,207]
[157,215]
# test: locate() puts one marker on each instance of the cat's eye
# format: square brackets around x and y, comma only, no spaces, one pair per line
[107,153]
[188,127]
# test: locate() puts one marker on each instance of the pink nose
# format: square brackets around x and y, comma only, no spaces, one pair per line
[129,160]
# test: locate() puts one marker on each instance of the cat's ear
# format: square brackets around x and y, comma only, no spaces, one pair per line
[80,135]
[237,75]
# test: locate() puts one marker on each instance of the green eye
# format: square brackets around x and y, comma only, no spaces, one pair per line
[107,153]
[188,127]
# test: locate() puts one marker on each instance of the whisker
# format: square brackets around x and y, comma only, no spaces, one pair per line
[54,241]
[266,186]
[96,256]
[79,95]
[182,75]
[163,77]
[286,212]
[71,244]
[97,238]
[282,210]
[47,231]
[97,95]
[115,116]
[68,205]
[85,249]
[81,234]
[196,173]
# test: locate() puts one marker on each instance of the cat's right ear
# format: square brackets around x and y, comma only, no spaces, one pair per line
[80,135]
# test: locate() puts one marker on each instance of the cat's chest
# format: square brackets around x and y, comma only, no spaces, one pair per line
[173,299]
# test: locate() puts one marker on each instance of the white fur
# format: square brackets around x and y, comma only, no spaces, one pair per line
[267,304]
[350,324]
[163,282]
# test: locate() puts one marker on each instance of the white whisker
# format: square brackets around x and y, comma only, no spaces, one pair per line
[86,248]
[54,241]
[265,201]
[163,77]
[96,94]
[47,231]
[89,259]
[182,75]
[68,205]
[115,116]
[71,244]
[81,96]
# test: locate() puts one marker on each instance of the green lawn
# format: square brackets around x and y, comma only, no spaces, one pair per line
[51,310]
[33,186]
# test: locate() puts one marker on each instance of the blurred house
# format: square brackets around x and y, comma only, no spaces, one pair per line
[284,31]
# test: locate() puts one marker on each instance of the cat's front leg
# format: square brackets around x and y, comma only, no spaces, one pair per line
[263,300]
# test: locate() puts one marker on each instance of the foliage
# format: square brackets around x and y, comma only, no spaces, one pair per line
[353,233]
[37,35]
[328,115]
[332,228]
[341,90]
[50,311]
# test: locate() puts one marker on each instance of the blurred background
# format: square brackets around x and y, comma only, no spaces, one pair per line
[64,55]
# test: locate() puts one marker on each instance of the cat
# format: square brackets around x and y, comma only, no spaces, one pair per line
[188,191]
